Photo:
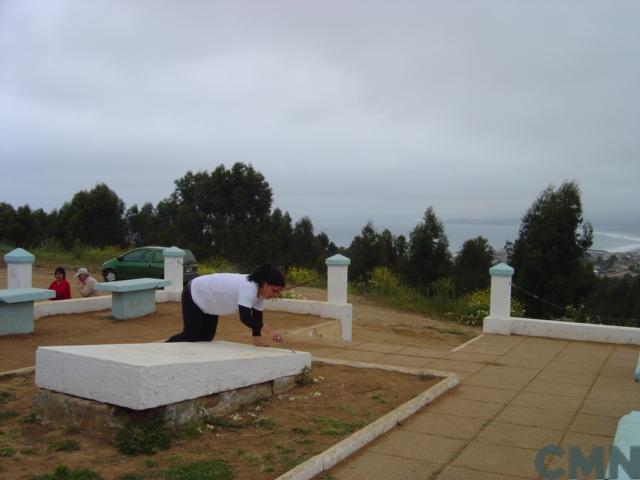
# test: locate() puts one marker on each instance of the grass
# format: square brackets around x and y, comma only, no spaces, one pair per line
[62,472]
[333,426]
[64,446]
[146,437]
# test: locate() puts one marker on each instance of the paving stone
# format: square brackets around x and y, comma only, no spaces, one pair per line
[615,383]
[533,363]
[486,350]
[509,383]
[444,425]
[586,442]
[570,405]
[580,359]
[519,435]
[454,366]
[557,388]
[608,408]
[598,350]
[376,466]
[404,361]
[465,408]
[323,352]
[626,373]
[605,394]
[594,425]
[498,459]
[625,352]
[417,446]
[423,352]
[567,377]
[484,394]
[473,357]
[379,347]
[622,362]
[457,473]
[534,417]
[358,356]
[573,367]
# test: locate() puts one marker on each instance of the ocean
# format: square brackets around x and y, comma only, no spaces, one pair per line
[612,238]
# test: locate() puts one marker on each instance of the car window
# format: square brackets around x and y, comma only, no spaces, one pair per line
[157,257]
[135,256]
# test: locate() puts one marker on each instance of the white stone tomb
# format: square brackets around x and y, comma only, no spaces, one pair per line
[148,375]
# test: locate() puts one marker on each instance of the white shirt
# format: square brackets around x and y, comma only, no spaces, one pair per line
[221,293]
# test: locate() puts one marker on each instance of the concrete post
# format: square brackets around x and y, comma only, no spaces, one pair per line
[19,268]
[337,273]
[500,291]
[173,269]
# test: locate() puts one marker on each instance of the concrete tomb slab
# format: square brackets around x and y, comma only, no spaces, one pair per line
[147,375]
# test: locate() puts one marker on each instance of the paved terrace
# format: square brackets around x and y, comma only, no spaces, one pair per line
[517,395]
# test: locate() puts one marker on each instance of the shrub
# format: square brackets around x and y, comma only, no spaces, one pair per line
[143,437]
[474,306]
[384,281]
[301,276]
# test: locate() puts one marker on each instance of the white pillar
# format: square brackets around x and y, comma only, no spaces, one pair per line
[337,282]
[337,273]
[500,291]
[19,268]
[173,268]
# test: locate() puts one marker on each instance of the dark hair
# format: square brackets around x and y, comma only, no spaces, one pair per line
[267,274]
[60,270]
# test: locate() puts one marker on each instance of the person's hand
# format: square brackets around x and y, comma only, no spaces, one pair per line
[276,336]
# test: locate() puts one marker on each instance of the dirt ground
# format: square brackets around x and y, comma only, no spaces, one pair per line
[259,442]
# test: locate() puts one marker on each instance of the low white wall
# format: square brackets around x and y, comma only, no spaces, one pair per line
[344,312]
[563,330]
[74,305]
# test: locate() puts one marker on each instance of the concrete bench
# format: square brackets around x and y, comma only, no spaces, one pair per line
[132,298]
[16,308]
[627,436]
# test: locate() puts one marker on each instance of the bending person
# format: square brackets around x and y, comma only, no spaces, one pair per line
[207,297]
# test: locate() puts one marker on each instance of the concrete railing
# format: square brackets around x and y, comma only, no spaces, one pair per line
[500,321]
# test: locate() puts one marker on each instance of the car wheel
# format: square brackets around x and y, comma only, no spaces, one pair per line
[109,276]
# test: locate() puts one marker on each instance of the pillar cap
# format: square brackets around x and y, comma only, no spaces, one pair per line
[338,260]
[501,270]
[19,255]
[173,252]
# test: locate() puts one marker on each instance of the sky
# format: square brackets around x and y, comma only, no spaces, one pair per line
[352,110]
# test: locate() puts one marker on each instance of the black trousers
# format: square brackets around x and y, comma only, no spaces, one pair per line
[197,325]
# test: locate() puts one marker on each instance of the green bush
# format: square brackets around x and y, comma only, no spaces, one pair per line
[384,281]
[301,276]
[147,437]
[215,265]
[473,307]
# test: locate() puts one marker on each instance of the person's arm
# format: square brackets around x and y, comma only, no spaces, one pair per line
[252,319]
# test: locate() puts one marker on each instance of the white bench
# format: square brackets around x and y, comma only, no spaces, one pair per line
[16,308]
[132,298]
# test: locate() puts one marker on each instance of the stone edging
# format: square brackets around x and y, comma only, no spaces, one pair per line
[17,372]
[335,454]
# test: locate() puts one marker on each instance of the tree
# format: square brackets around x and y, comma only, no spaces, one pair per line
[94,217]
[143,225]
[471,265]
[223,213]
[548,254]
[428,258]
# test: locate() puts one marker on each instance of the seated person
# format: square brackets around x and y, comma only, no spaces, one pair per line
[60,285]
[86,283]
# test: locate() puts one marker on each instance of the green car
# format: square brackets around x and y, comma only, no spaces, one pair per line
[145,262]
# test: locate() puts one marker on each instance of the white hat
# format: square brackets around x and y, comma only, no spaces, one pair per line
[81,271]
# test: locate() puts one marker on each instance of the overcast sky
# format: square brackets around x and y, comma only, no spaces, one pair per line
[353,110]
